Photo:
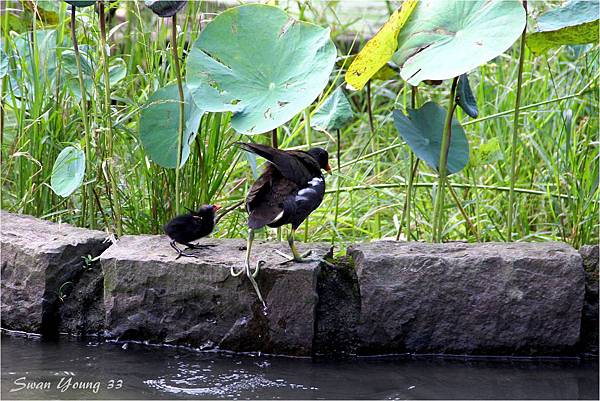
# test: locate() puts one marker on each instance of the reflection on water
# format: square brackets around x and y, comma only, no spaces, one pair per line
[76,370]
[201,380]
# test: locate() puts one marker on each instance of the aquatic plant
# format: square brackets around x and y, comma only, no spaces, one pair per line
[380,187]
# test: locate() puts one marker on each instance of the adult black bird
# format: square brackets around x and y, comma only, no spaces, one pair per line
[288,191]
[191,226]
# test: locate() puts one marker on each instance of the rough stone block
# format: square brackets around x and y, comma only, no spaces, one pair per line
[41,263]
[149,295]
[519,298]
[338,310]
[82,309]
[589,321]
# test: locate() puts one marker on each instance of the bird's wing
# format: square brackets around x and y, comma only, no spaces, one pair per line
[259,190]
[308,161]
[265,199]
[306,200]
[296,166]
[177,223]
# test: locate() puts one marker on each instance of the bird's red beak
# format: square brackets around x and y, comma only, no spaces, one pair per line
[328,168]
[216,207]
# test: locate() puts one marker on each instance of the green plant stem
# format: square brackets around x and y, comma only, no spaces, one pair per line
[339,177]
[513,150]
[275,144]
[439,194]
[309,143]
[583,91]
[373,140]
[413,171]
[113,194]
[463,212]
[407,200]
[370,108]
[181,111]
[414,165]
[86,124]
[274,141]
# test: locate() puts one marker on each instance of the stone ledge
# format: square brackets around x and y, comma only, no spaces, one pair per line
[383,297]
[148,295]
[41,263]
[491,298]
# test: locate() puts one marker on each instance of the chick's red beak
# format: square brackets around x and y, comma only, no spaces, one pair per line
[328,168]
[216,207]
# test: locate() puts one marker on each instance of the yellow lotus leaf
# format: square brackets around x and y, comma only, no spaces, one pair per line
[380,49]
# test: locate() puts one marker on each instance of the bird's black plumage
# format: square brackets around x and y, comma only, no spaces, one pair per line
[291,187]
[189,227]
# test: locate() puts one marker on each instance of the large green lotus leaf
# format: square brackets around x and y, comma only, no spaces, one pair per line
[260,64]
[68,171]
[159,126]
[573,24]
[422,130]
[446,38]
[334,113]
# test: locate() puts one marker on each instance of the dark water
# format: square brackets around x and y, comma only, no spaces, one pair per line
[115,371]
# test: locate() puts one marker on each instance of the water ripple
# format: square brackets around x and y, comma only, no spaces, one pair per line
[225,384]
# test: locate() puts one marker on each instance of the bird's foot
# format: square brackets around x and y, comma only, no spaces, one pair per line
[259,265]
[251,275]
[181,253]
[247,269]
[303,258]
[236,273]
[184,254]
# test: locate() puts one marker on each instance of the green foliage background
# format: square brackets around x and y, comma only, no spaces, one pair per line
[557,183]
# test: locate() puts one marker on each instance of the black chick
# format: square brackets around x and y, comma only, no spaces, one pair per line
[191,226]
[290,189]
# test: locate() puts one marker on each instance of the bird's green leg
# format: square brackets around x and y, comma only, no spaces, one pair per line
[251,278]
[248,252]
[247,269]
[297,257]
[295,253]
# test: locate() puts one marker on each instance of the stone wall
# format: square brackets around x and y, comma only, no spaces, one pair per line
[383,297]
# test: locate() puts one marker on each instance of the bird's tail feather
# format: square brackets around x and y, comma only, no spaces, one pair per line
[261,150]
